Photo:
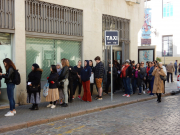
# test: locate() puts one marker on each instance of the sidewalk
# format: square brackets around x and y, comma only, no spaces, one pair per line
[26,118]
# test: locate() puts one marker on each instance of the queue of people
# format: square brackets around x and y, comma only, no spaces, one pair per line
[64,80]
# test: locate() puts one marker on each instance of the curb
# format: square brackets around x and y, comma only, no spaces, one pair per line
[4,129]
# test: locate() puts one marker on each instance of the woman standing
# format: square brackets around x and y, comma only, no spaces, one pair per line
[158,87]
[151,78]
[92,72]
[85,76]
[147,74]
[0,78]
[10,67]
[34,80]
[141,76]
[135,77]
[53,94]
[77,80]
[63,78]
[60,87]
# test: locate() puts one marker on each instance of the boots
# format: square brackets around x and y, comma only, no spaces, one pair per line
[35,107]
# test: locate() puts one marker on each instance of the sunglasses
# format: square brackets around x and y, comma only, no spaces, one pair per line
[142,63]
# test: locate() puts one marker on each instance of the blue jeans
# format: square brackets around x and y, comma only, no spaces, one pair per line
[140,89]
[175,70]
[134,84]
[151,88]
[127,82]
[10,93]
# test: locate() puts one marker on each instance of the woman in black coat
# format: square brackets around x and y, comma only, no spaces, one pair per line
[92,72]
[34,80]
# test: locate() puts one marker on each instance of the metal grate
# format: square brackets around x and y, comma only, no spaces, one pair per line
[50,18]
[7,14]
[47,52]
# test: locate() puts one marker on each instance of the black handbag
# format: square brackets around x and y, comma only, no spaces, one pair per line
[61,84]
[164,78]
[33,88]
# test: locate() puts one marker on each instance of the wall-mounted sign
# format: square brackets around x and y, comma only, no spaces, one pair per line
[111,38]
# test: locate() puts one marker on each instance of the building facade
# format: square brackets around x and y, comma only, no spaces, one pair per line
[45,31]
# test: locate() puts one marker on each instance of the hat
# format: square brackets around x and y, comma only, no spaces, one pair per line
[127,61]
[35,65]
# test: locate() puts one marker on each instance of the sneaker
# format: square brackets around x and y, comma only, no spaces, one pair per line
[144,92]
[100,98]
[49,105]
[72,97]
[79,97]
[53,106]
[14,112]
[124,95]
[128,96]
[96,97]
[9,114]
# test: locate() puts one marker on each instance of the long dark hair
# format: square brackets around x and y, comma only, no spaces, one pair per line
[9,64]
[0,69]
[92,62]
[136,66]
[54,70]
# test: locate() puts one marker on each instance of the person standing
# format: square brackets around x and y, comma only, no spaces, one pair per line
[135,77]
[141,77]
[109,78]
[99,74]
[85,77]
[151,78]
[176,66]
[158,87]
[77,80]
[143,71]
[34,80]
[0,78]
[9,76]
[63,78]
[60,87]
[53,93]
[147,75]
[170,70]
[92,72]
[127,75]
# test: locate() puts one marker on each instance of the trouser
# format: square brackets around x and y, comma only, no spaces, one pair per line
[87,93]
[168,73]
[175,70]
[158,96]
[134,84]
[127,82]
[10,93]
[151,86]
[79,84]
[107,85]
[91,87]
[70,90]
[53,102]
[65,90]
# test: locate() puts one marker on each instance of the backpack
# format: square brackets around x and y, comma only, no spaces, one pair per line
[46,89]
[17,78]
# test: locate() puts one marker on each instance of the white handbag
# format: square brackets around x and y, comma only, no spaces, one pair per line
[92,78]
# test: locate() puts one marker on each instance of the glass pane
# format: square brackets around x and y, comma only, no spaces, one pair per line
[5,51]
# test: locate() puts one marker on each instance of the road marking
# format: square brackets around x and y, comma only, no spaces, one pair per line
[60,127]
[70,131]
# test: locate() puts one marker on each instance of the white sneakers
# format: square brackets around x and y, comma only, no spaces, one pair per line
[10,113]
[51,105]
[144,92]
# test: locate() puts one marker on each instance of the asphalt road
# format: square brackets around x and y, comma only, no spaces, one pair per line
[144,118]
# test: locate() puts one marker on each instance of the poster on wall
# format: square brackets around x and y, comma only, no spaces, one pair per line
[146,29]
[118,55]
[146,55]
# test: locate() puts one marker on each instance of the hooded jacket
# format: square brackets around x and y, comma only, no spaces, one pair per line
[86,72]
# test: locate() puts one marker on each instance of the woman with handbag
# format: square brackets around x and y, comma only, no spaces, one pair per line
[85,77]
[158,87]
[34,87]
[53,93]
[63,78]
[151,78]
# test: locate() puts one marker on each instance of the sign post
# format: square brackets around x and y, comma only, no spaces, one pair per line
[111,39]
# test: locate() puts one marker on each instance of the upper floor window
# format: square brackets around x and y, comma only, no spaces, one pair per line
[167,46]
[167,8]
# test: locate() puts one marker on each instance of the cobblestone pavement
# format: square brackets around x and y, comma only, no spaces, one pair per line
[145,118]
[25,115]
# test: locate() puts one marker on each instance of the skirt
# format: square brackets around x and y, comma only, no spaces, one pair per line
[53,95]
[34,98]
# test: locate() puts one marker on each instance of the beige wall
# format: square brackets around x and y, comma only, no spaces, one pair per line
[92,28]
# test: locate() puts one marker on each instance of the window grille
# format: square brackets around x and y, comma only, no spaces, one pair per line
[51,18]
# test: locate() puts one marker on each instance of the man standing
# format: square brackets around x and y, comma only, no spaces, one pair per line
[170,70]
[99,74]
[175,66]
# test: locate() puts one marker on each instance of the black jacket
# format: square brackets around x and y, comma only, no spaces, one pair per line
[64,73]
[0,76]
[72,74]
[99,70]
[92,69]
[78,71]
[53,77]
[9,75]
[114,73]
[35,78]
